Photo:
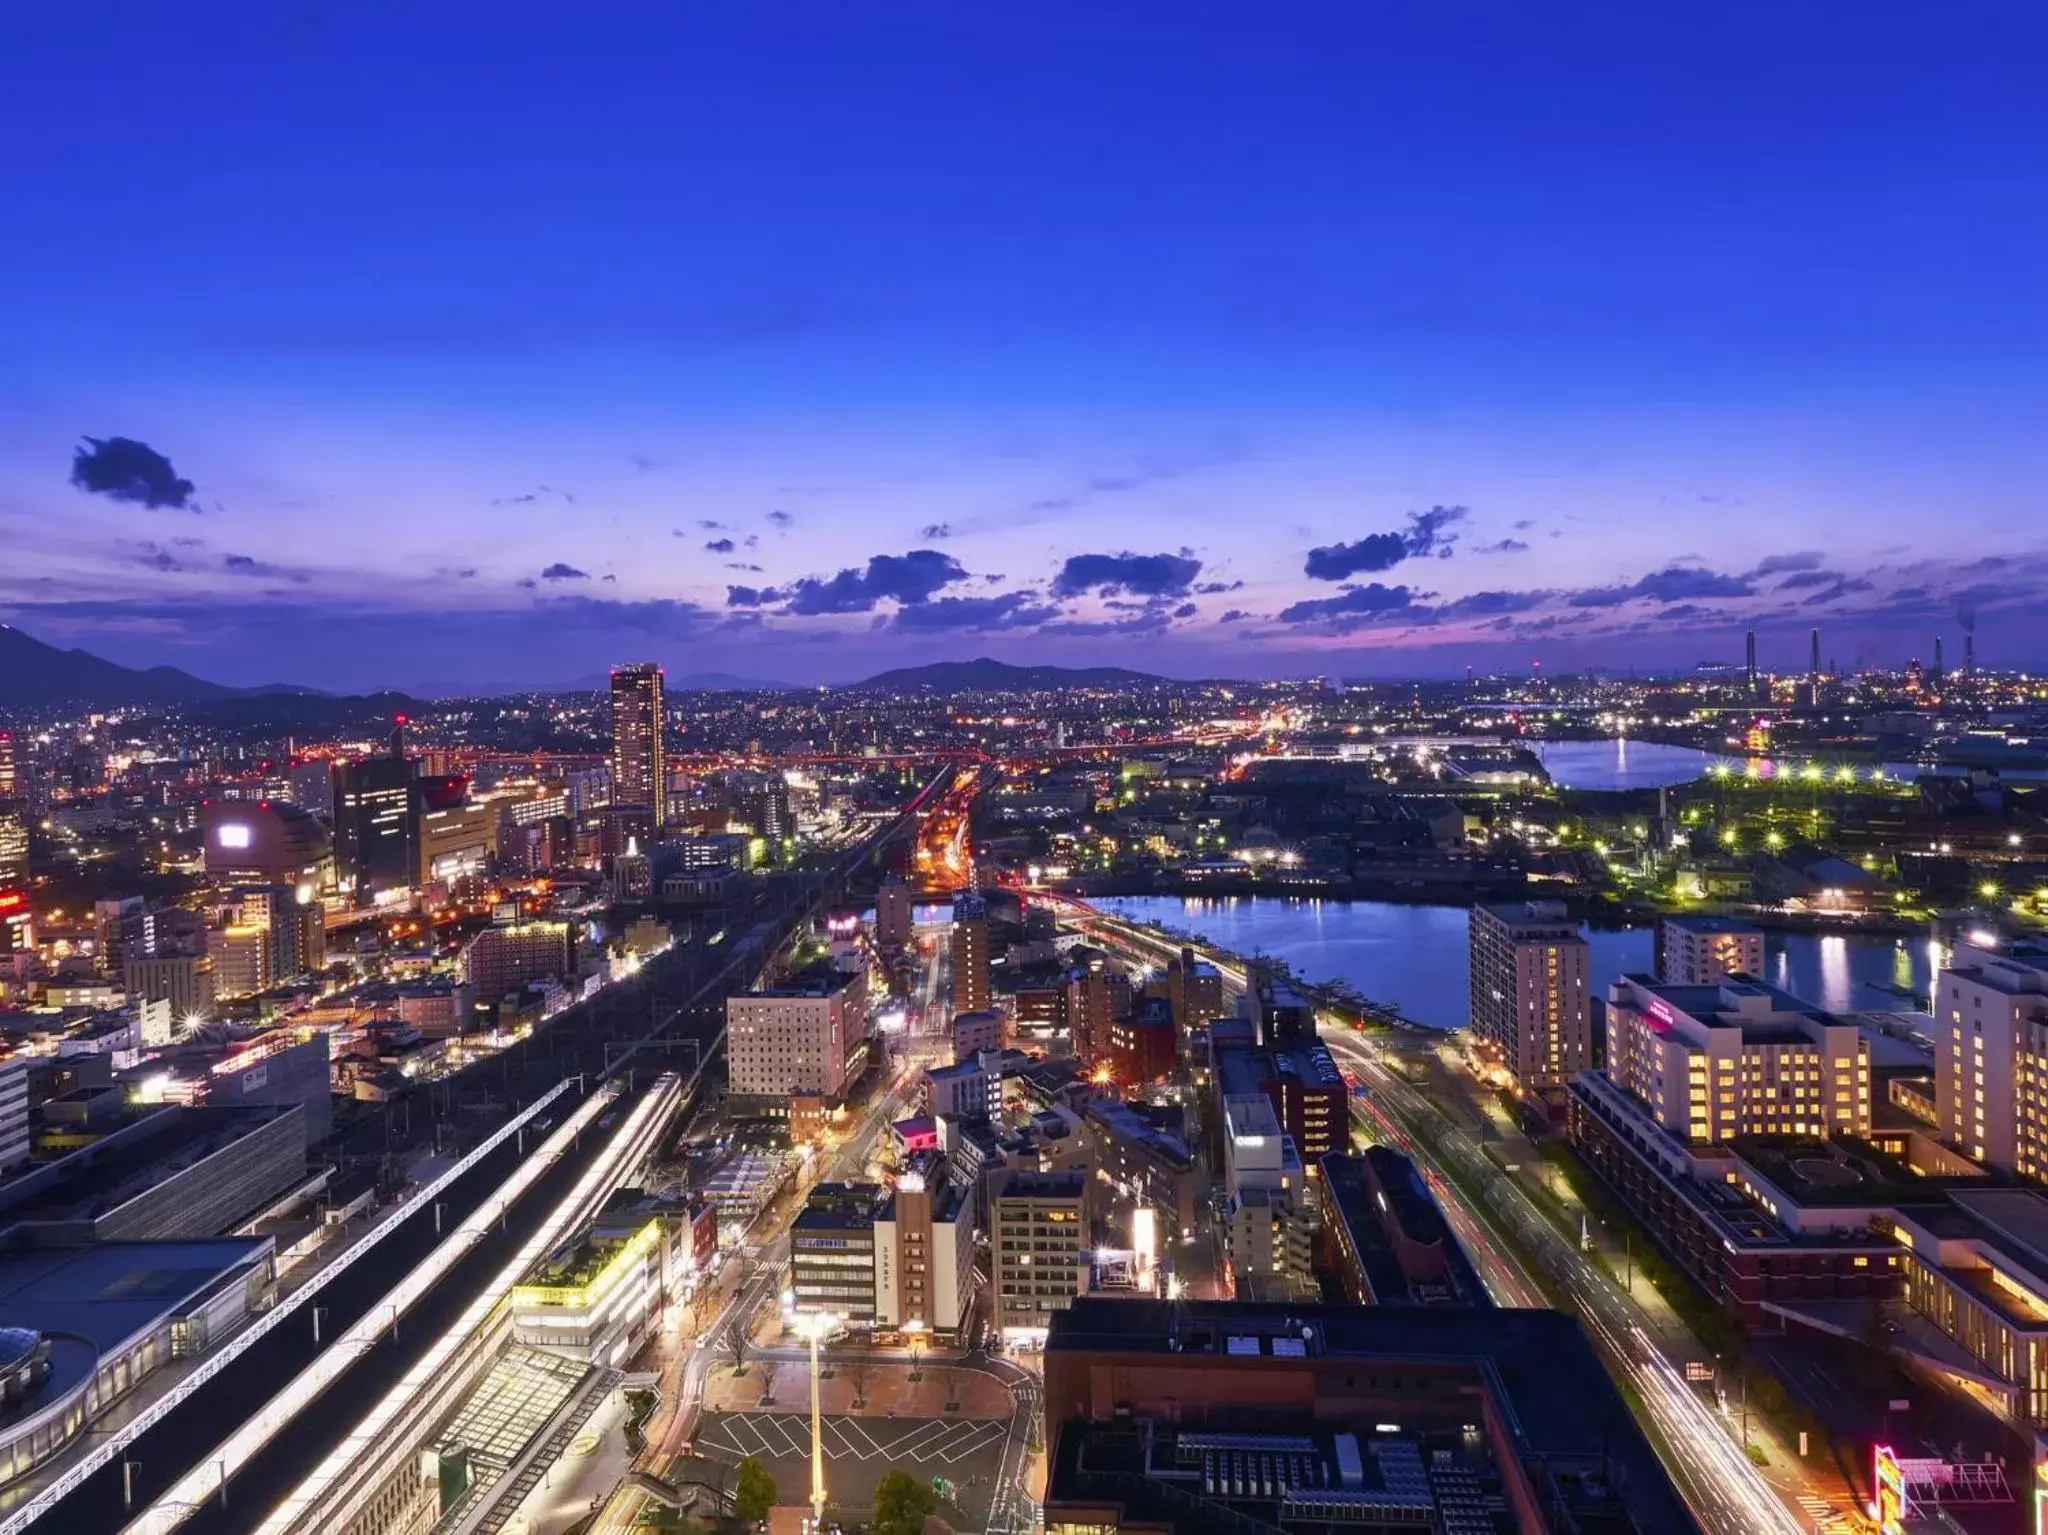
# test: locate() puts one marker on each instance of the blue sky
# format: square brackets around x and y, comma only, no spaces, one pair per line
[1656,326]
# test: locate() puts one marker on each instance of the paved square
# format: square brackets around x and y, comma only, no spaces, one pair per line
[968,1454]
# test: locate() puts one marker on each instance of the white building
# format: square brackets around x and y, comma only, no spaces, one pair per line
[14,1136]
[1705,951]
[924,1254]
[1740,1058]
[1991,1055]
[1272,1212]
[797,1041]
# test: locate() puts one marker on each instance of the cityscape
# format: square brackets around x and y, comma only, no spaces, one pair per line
[1075,771]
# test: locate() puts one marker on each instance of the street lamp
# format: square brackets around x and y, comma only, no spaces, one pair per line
[814,1325]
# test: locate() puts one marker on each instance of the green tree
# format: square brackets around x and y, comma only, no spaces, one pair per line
[901,1503]
[753,1492]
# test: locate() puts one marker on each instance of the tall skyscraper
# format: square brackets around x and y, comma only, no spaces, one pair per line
[13,846]
[1529,1000]
[1991,1053]
[893,914]
[374,822]
[10,775]
[1749,643]
[1813,670]
[639,740]
[971,988]
[1935,676]
[1969,655]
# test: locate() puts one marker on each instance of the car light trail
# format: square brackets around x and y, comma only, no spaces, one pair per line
[115,1444]
[218,1465]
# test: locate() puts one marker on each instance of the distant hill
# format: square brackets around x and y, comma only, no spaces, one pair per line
[34,675]
[985,674]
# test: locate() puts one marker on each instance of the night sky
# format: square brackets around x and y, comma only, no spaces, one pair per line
[453,345]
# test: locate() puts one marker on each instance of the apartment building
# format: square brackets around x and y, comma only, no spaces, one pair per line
[1530,1004]
[1038,1227]
[1991,1055]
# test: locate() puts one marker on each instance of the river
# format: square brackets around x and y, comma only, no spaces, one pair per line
[1415,957]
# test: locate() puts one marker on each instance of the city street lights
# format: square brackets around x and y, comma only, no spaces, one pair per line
[814,1325]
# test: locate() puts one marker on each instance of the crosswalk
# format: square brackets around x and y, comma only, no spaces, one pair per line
[787,1436]
[1825,1518]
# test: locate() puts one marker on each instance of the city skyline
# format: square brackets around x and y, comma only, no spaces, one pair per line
[799,348]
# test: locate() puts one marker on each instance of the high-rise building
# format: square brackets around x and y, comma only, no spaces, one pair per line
[893,915]
[1530,1007]
[1704,951]
[505,959]
[13,845]
[1097,995]
[1739,1058]
[799,1040]
[1038,1226]
[1934,677]
[1272,1217]
[374,822]
[1194,991]
[832,1252]
[1991,1055]
[972,991]
[1749,661]
[924,1252]
[640,740]
[14,1134]
[183,980]
[1813,670]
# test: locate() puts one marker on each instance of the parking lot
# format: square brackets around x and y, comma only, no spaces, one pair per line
[967,1454]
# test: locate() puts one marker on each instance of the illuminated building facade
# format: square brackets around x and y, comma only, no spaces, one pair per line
[1740,1058]
[1704,951]
[265,842]
[1991,1055]
[972,991]
[924,1253]
[639,740]
[893,913]
[796,1040]
[600,1301]
[1038,1225]
[374,822]
[1530,1006]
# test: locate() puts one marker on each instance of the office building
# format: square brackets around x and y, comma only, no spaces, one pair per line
[281,1068]
[1271,1210]
[1285,1015]
[1530,1006]
[1038,1225]
[640,740]
[500,960]
[799,1040]
[265,842]
[1194,990]
[1141,1045]
[265,936]
[10,768]
[1705,951]
[17,922]
[600,1300]
[1742,1058]
[13,846]
[893,915]
[969,1089]
[14,1136]
[1749,661]
[832,1253]
[1303,1084]
[972,992]
[976,1032]
[1991,1055]
[1097,995]
[184,981]
[455,842]
[924,1253]
[374,825]
[1297,1419]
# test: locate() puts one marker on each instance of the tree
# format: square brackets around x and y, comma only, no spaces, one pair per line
[753,1492]
[860,1372]
[736,1341]
[901,1504]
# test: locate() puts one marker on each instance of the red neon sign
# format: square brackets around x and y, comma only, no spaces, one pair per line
[11,900]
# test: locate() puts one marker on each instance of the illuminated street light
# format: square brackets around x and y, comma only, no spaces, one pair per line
[814,1325]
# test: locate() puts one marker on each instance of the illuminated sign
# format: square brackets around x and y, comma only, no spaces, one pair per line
[13,900]
[1660,1010]
[234,834]
[1891,1493]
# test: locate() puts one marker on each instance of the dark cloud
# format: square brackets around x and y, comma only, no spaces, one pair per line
[527,583]
[751,596]
[153,556]
[1012,610]
[936,530]
[1524,525]
[1233,616]
[1837,592]
[561,572]
[1674,583]
[1211,588]
[1141,575]
[1774,564]
[783,519]
[467,573]
[1503,546]
[1355,603]
[720,546]
[1427,533]
[526,500]
[123,469]
[903,578]
[742,565]
[661,617]
[1489,604]
[710,526]
[1186,610]
[1151,621]
[249,565]
[1802,579]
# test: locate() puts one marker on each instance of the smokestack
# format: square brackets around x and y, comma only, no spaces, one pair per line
[1969,654]
[1937,661]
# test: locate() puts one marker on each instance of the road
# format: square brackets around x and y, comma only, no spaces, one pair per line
[1510,1239]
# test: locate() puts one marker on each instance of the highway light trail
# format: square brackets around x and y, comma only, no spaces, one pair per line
[232,1454]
